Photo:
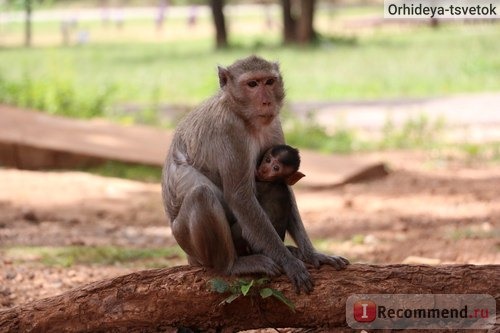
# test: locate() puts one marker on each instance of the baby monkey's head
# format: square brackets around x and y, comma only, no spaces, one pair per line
[280,164]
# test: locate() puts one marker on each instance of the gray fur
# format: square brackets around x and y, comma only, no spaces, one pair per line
[209,181]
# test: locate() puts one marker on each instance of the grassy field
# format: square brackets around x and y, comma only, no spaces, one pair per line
[137,65]
[180,68]
[67,256]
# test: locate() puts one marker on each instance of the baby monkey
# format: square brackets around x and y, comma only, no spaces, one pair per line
[277,169]
[279,164]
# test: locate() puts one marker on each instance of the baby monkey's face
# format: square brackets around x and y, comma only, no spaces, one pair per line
[272,169]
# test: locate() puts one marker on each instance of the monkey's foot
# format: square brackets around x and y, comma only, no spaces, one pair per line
[337,262]
[255,264]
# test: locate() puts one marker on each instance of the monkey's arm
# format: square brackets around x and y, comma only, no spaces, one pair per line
[305,250]
[238,183]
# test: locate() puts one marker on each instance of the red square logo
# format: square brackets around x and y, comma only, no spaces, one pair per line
[365,311]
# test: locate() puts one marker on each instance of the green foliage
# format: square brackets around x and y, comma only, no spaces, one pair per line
[343,140]
[245,287]
[384,64]
[417,132]
[100,255]
[495,151]
[242,287]
[91,80]
[474,232]
[219,285]
[306,133]
[21,4]
[479,152]
[472,150]
[57,94]
[128,171]
[358,239]
[267,292]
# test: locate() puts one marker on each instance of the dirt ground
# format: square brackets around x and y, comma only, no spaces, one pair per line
[426,211]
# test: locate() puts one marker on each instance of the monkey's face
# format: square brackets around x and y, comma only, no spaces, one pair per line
[271,169]
[260,95]
[263,95]
[255,88]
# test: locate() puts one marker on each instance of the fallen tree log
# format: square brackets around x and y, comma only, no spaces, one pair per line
[154,300]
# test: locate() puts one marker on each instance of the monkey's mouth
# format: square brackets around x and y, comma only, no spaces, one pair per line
[266,116]
[265,119]
[262,177]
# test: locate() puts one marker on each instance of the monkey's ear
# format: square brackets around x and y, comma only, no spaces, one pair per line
[293,178]
[276,67]
[223,76]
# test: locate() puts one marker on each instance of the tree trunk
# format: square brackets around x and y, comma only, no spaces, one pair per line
[154,300]
[28,7]
[219,22]
[289,23]
[305,27]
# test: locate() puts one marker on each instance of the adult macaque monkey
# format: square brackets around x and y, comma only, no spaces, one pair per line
[209,179]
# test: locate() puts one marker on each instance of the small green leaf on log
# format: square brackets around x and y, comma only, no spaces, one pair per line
[266,292]
[279,295]
[230,299]
[246,288]
[219,285]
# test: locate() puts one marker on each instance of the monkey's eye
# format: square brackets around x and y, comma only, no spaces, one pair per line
[270,82]
[268,160]
[252,84]
[276,168]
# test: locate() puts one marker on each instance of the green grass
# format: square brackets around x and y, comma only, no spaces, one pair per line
[86,255]
[89,80]
[472,153]
[128,171]
[310,134]
[94,80]
[419,132]
[416,133]
[473,233]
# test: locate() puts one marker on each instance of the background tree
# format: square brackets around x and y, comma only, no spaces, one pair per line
[289,23]
[28,8]
[217,7]
[305,27]
[298,21]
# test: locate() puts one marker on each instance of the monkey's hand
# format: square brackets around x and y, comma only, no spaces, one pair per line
[317,259]
[298,274]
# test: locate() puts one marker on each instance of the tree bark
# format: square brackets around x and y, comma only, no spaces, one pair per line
[305,27]
[154,300]
[301,29]
[217,7]
[28,8]
[289,23]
